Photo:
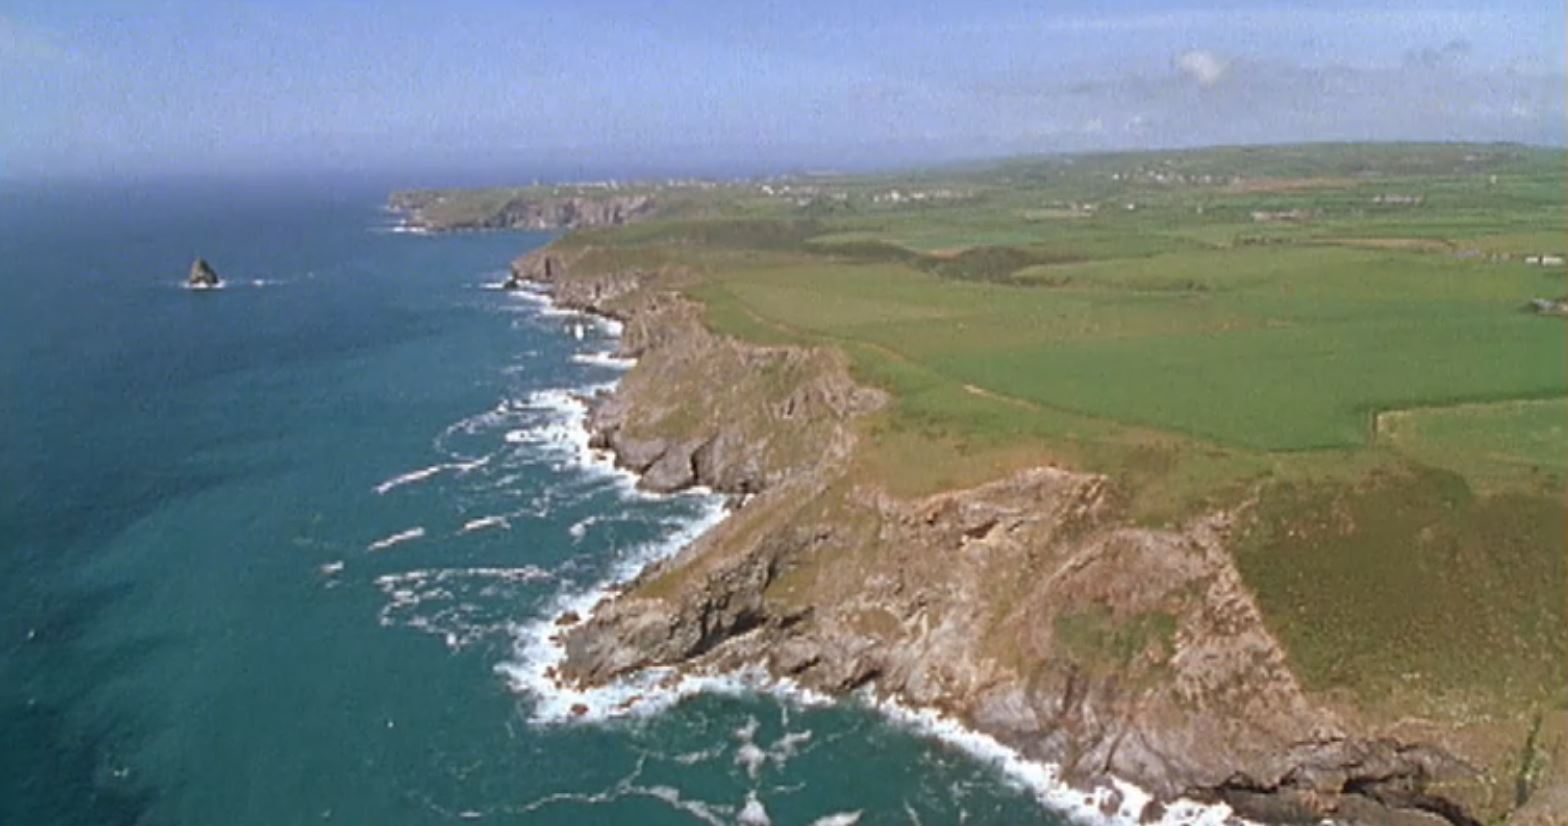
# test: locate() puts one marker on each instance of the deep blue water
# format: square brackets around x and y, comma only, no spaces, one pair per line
[204,618]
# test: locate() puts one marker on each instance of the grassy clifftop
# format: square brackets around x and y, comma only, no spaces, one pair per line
[1158,299]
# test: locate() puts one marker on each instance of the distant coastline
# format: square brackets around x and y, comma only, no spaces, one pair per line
[532,208]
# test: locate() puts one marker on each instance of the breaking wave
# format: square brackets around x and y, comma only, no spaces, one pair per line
[396,539]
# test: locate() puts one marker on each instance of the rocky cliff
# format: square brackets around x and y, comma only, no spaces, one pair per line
[1029,608]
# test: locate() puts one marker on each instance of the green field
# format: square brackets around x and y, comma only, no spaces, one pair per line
[1500,445]
[1334,338]
[1286,349]
[1147,303]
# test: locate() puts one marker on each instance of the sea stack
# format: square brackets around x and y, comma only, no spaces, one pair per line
[203,276]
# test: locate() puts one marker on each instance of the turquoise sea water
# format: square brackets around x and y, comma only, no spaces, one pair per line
[266,554]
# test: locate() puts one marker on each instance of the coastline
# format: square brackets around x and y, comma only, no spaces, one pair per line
[542,650]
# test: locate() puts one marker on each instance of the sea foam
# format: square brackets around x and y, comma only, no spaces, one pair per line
[424,473]
[605,358]
[485,522]
[396,539]
[1043,780]
[442,601]
[539,652]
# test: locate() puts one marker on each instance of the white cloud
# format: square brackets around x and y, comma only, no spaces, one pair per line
[1206,67]
[1267,19]
[1207,96]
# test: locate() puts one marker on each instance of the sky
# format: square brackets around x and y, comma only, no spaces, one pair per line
[115,88]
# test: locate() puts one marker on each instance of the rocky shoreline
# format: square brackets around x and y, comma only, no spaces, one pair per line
[1127,652]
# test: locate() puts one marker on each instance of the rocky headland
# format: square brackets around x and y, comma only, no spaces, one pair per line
[1031,608]
[532,209]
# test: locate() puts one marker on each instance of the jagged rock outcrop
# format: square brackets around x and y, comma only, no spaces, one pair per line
[1024,609]
[1029,608]
[530,269]
[765,413]
[202,276]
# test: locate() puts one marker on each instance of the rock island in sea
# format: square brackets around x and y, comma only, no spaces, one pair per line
[202,276]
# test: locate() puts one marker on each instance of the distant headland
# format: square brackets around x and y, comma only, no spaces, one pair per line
[536,208]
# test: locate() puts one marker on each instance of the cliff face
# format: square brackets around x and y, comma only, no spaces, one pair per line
[1028,608]
[700,409]
[450,211]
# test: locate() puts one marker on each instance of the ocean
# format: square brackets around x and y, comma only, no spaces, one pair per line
[281,553]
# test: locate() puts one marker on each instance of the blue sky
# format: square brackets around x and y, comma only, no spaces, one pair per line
[90,88]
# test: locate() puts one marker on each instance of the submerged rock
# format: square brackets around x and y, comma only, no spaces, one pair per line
[202,276]
[514,281]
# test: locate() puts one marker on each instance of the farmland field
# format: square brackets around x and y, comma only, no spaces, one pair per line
[1276,350]
[1500,444]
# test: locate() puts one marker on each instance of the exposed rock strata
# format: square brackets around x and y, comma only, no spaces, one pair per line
[1028,608]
